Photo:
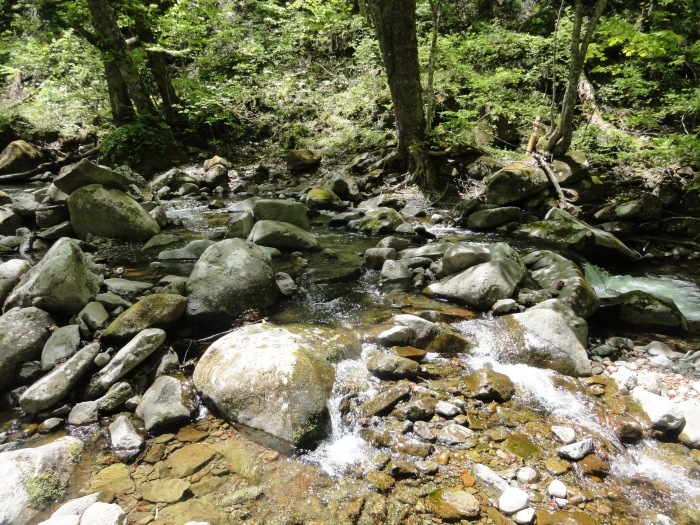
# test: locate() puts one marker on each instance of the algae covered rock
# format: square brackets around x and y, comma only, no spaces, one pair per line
[322,199]
[282,235]
[379,221]
[269,378]
[160,310]
[515,182]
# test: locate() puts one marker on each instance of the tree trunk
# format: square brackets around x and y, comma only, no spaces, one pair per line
[119,101]
[560,139]
[395,24]
[590,108]
[112,42]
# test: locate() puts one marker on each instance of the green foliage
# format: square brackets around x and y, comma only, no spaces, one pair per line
[43,489]
[134,143]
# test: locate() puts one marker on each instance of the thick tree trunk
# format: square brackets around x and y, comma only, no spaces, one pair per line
[560,139]
[119,101]
[590,108]
[395,24]
[112,42]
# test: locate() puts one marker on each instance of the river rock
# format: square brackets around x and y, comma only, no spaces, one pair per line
[493,217]
[22,499]
[452,504]
[117,395]
[25,205]
[125,440]
[164,490]
[103,514]
[153,311]
[565,435]
[86,173]
[515,182]
[9,222]
[282,235]
[576,451]
[93,316]
[384,402]
[288,211]
[19,156]
[10,274]
[23,332]
[215,176]
[461,256]
[127,287]
[53,387]
[228,279]
[395,271]
[63,282]
[557,489]
[421,409]
[193,250]
[454,434]
[76,507]
[542,338]
[482,285]
[126,359]
[375,257]
[84,413]
[392,366]
[396,335]
[109,213]
[553,271]
[487,385]
[164,405]
[567,232]
[644,309]
[512,500]
[377,222]
[48,215]
[489,478]
[240,225]
[268,377]
[690,436]
[303,160]
[577,325]
[664,414]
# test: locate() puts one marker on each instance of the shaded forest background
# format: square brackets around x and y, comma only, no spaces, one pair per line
[258,77]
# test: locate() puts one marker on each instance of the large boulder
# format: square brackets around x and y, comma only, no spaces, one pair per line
[282,211]
[109,213]
[379,221]
[19,156]
[53,387]
[282,235]
[542,338]
[63,282]
[160,310]
[323,199]
[269,378]
[515,182]
[553,271]
[303,160]
[482,285]
[23,332]
[461,256]
[644,309]
[229,278]
[32,478]
[85,173]
[565,231]
[10,274]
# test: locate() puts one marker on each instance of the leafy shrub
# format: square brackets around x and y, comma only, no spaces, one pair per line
[139,143]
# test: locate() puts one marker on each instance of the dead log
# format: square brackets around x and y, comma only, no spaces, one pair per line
[542,161]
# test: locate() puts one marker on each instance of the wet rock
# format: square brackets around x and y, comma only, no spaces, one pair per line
[487,385]
[282,235]
[86,173]
[54,462]
[493,217]
[447,410]
[576,451]
[520,445]
[117,395]
[291,212]
[93,316]
[125,440]
[10,274]
[410,352]
[189,459]
[153,311]
[160,241]
[380,480]
[193,250]
[527,475]
[384,402]
[9,222]
[109,213]
[268,377]
[164,405]
[626,429]
[19,156]
[482,285]
[423,431]
[515,182]
[103,514]
[551,270]
[303,160]
[395,272]
[512,500]
[217,175]
[664,414]
[164,490]
[577,325]
[454,434]
[524,517]
[391,366]
[460,257]
[690,436]
[285,284]
[377,222]
[542,517]
[638,308]
[126,359]
[23,332]
[397,335]
[451,504]
[230,277]
[240,225]
[557,489]
[421,409]
[84,413]
[63,282]
[489,478]
[565,435]
[592,465]
[375,257]
[56,385]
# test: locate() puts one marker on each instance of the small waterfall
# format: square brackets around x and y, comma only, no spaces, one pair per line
[686,294]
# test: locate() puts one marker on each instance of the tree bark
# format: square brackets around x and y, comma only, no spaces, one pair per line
[590,108]
[395,25]
[119,101]
[560,139]
[111,41]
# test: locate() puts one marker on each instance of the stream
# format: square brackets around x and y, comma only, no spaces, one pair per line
[649,482]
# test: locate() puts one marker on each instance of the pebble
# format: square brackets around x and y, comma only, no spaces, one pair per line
[446,409]
[527,475]
[576,451]
[566,435]
[557,489]
[524,517]
[512,500]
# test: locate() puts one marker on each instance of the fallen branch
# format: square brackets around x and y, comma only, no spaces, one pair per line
[48,166]
[542,161]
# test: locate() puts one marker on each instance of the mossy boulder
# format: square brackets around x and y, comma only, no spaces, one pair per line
[109,213]
[303,160]
[160,310]
[282,235]
[19,156]
[379,221]
[270,378]
[322,199]
[515,182]
[644,309]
